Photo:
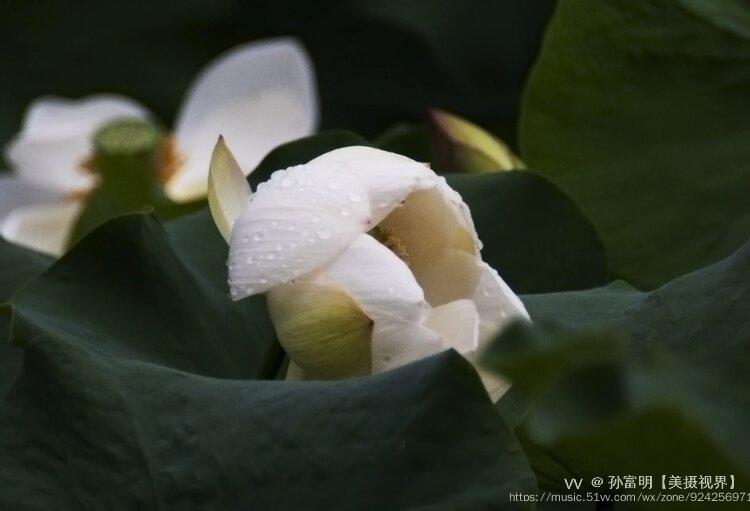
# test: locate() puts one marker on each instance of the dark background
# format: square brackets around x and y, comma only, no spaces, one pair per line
[378,62]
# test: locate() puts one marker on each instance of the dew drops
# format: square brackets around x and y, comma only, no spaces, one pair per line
[257,236]
[288,182]
[263,280]
[355,197]
[334,185]
[245,239]
[271,256]
[324,234]
[391,290]
[292,245]
[278,246]
[345,212]
[249,260]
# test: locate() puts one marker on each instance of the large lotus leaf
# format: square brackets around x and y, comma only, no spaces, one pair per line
[599,408]
[137,392]
[704,310]
[638,109]
[126,282]
[619,381]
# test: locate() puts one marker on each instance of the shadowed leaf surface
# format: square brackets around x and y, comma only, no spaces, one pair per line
[533,234]
[17,265]
[638,109]
[139,374]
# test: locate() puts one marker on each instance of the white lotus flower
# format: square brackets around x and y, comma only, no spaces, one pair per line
[369,260]
[259,94]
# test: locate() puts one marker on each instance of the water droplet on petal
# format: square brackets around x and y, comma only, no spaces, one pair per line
[288,182]
[345,212]
[271,256]
[257,236]
[263,280]
[324,234]
[334,185]
[355,197]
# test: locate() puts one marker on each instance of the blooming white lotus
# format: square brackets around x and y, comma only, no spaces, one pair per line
[259,95]
[369,260]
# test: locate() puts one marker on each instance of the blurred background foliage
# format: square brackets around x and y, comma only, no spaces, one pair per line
[378,62]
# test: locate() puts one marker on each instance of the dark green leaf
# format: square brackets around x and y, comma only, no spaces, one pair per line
[533,234]
[625,411]
[141,435]
[135,375]
[704,310]
[618,381]
[410,140]
[201,248]
[17,265]
[638,109]
[124,288]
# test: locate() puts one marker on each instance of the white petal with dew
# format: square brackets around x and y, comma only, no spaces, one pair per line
[497,304]
[388,177]
[455,275]
[457,323]
[299,220]
[258,95]
[384,288]
[228,190]
[44,228]
[56,138]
